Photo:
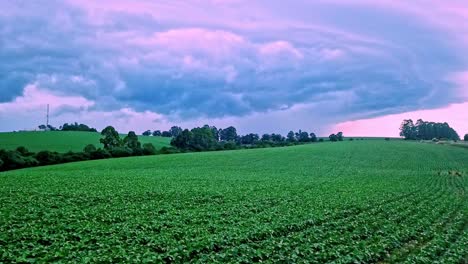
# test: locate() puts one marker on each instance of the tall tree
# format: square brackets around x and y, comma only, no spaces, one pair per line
[228,134]
[131,141]
[111,138]
[291,137]
[339,135]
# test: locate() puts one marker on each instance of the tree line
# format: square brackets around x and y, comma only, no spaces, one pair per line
[422,130]
[209,138]
[206,138]
[113,147]
[69,127]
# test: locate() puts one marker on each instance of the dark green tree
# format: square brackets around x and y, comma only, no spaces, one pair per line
[313,137]
[157,133]
[333,137]
[111,138]
[149,149]
[339,135]
[131,141]
[147,133]
[291,137]
[303,136]
[466,137]
[228,134]
[89,148]
[175,131]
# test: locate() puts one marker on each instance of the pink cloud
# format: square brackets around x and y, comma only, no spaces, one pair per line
[388,126]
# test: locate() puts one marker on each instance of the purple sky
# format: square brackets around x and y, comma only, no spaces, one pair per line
[359,66]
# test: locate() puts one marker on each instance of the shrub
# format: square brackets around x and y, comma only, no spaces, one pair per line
[466,137]
[320,140]
[230,145]
[138,151]
[24,151]
[351,139]
[119,152]
[169,150]
[387,139]
[75,156]
[149,149]
[89,148]
[100,154]
[13,159]
[46,157]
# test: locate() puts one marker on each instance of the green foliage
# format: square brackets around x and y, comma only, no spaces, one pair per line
[169,150]
[333,137]
[427,130]
[118,152]
[131,142]
[1,164]
[62,141]
[355,202]
[111,138]
[77,127]
[46,157]
[149,149]
[466,137]
[228,134]
[89,148]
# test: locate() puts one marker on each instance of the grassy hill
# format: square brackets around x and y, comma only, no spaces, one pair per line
[353,201]
[62,141]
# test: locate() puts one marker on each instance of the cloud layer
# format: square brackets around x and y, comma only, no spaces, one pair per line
[309,65]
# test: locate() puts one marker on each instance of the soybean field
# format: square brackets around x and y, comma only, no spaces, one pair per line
[370,201]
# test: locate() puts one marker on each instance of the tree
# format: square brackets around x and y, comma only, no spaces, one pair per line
[276,137]
[339,135]
[291,137]
[166,134]
[313,137]
[183,140]
[333,137]
[249,139]
[407,129]
[149,149]
[466,137]
[175,131]
[147,133]
[1,164]
[89,148]
[303,136]
[427,130]
[77,127]
[42,127]
[111,138]
[131,141]
[228,134]
[157,133]
[266,137]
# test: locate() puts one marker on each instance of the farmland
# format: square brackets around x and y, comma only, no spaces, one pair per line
[353,201]
[62,141]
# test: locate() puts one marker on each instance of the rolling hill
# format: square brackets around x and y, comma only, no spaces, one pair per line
[63,141]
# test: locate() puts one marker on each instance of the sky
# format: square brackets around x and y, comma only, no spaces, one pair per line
[357,66]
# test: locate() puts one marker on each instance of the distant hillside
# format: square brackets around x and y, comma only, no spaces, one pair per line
[63,141]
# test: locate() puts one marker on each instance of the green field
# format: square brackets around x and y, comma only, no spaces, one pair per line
[359,201]
[63,141]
